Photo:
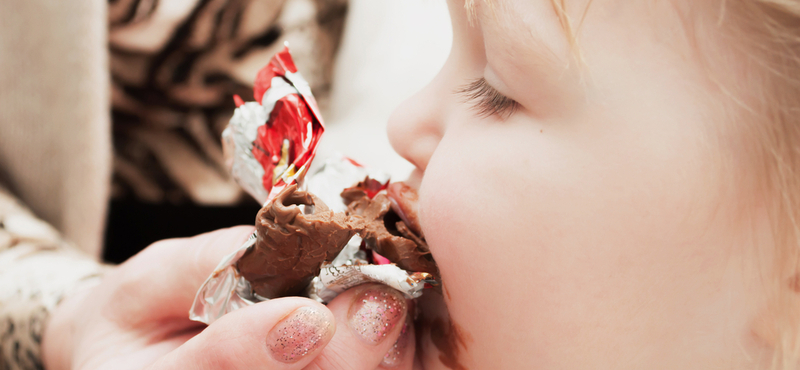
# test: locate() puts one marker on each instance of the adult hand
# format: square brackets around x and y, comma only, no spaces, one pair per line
[138,318]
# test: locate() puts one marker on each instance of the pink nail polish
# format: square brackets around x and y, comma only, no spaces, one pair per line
[394,357]
[375,312]
[300,333]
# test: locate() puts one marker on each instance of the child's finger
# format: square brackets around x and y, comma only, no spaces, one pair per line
[281,334]
[369,319]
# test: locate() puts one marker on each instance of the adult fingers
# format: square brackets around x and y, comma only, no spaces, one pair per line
[369,320]
[281,334]
[163,279]
[401,355]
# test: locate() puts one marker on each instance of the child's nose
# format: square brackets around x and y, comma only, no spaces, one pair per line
[415,127]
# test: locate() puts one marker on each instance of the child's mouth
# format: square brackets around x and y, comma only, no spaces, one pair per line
[392,229]
[404,202]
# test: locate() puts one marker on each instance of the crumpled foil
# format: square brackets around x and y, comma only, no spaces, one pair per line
[226,290]
[268,146]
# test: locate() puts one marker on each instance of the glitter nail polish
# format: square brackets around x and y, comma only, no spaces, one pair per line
[394,357]
[300,333]
[375,312]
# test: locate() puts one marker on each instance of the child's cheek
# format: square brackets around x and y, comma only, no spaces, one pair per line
[549,230]
[479,236]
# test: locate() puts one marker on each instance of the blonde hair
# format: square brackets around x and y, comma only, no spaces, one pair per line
[767,34]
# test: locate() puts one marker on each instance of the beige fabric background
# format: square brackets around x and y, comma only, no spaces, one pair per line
[54,100]
[390,50]
[54,112]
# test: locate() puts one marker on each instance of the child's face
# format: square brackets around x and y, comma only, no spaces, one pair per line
[593,226]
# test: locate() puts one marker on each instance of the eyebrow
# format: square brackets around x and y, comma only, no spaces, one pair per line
[533,38]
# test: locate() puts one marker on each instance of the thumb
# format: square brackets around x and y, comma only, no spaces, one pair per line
[281,334]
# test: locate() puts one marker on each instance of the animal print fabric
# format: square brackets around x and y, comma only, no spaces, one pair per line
[37,269]
[175,65]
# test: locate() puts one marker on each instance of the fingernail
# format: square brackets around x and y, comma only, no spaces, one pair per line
[300,333]
[375,312]
[394,357]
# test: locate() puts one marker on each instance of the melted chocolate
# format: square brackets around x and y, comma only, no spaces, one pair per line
[435,326]
[292,243]
[447,336]
[405,198]
[387,234]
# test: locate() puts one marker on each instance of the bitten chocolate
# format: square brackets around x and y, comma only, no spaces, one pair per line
[293,242]
[387,234]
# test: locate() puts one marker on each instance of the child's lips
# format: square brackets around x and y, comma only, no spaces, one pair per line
[404,202]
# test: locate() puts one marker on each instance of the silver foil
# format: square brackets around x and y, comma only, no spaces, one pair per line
[237,145]
[226,290]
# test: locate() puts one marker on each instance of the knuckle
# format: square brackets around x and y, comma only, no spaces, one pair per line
[333,358]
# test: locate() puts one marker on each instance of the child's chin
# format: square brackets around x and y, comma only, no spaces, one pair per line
[440,340]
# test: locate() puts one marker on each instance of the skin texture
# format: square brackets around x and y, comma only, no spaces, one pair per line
[137,318]
[595,226]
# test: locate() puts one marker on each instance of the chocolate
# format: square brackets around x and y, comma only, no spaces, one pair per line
[293,242]
[404,201]
[297,232]
[387,234]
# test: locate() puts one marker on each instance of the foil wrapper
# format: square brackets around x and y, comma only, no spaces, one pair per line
[269,144]
[226,290]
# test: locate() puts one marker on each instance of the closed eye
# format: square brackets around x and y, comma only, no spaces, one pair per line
[487,101]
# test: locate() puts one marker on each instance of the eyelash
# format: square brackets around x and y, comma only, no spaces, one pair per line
[486,100]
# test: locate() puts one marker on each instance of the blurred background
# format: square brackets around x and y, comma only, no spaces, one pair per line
[111,113]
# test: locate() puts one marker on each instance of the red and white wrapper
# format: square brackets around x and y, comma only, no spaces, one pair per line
[269,144]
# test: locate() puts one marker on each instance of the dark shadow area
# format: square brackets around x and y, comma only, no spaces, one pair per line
[132,226]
